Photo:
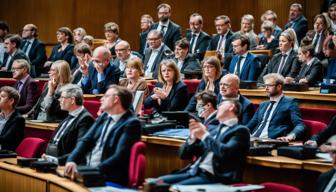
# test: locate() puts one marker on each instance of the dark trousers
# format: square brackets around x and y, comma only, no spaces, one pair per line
[187,179]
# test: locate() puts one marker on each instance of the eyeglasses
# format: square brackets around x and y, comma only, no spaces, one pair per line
[65,97]
[120,50]
[153,39]
[16,68]
[208,66]
[226,85]
[270,85]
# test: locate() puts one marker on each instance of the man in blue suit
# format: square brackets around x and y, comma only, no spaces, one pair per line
[297,21]
[107,145]
[278,118]
[97,77]
[170,30]
[221,150]
[244,64]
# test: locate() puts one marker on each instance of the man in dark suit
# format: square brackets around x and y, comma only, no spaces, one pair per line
[97,77]
[330,53]
[199,40]
[278,118]
[34,49]
[170,30]
[229,89]
[146,22]
[244,64]
[188,65]
[270,15]
[207,107]
[12,124]
[25,85]
[297,21]
[327,180]
[156,52]
[221,150]
[72,128]
[107,145]
[13,52]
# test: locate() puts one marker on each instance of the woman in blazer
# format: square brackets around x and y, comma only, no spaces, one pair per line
[169,94]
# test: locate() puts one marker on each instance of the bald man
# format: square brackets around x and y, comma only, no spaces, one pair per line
[229,89]
[100,73]
[34,49]
[124,53]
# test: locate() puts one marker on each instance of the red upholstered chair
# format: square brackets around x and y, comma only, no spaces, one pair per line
[192,85]
[277,187]
[92,106]
[7,82]
[313,127]
[315,114]
[31,147]
[137,165]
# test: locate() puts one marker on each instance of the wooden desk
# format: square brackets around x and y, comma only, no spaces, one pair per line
[42,126]
[14,178]
[311,98]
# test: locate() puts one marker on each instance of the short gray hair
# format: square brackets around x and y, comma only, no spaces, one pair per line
[72,90]
[23,63]
[279,79]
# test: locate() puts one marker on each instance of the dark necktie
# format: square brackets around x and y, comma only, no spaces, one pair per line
[105,129]
[25,47]
[163,30]
[192,42]
[238,66]
[264,120]
[194,170]
[282,63]
[18,87]
[62,129]
[316,43]
[221,39]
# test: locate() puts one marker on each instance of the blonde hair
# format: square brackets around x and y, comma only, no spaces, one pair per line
[63,71]
[137,64]
[172,65]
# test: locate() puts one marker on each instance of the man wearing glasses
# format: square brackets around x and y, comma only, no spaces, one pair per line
[25,85]
[107,145]
[278,118]
[97,77]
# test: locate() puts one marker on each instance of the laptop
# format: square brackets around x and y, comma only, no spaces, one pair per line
[138,101]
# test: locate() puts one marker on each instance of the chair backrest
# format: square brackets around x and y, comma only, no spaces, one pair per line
[315,114]
[92,106]
[277,187]
[313,127]
[137,165]
[31,147]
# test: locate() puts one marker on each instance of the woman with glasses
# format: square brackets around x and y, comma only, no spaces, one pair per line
[134,81]
[212,72]
[112,37]
[169,94]
[47,107]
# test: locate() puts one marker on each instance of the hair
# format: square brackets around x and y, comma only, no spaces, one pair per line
[183,43]
[268,26]
[213,60]
[269,12]
[23,63]
[290,35]
[4,26]
[137,64]
[112,27]
[64,72]
[80,30]
[67,32]
[105,52]
[330,44]
[156,32]
[73,90]
[207,96]
[82,48]
[279,79]
[88,39]
[325,22]
[14,38]
[306,41]
[237,106]
[125,96]
[12,94]
[297,5]
[163,5]
[244,40]
[249,18]
[34,29]
[170,63]
[200,18]
[223,17]
[149,18]
[308,49]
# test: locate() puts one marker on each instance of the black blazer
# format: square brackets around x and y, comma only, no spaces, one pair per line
[172,34]
[229,150]
[176,100]
[190,65]
[313,73]
[19,54]
[116,150]
[12,133]
[28,95]
[164,53]
[323,180]
[37,54]
[66,54]
[300,26]
[142,41]
[326,133]
[228,43]
[291,67]
[201,44]
[68,141]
